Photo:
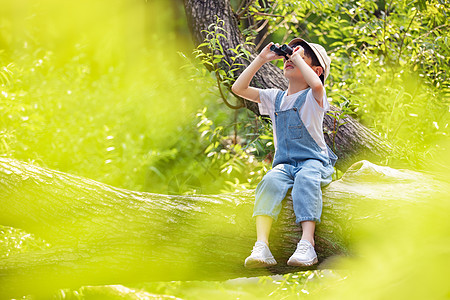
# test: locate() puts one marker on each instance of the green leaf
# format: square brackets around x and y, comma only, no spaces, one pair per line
[203,45]
[209,148]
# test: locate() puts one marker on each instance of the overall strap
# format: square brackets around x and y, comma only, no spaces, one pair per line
[278,100]
[301,99]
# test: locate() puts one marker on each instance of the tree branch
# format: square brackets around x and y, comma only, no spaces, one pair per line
[100,234]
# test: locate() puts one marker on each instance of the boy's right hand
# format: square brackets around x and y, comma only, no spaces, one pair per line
[268,55]
[241,86]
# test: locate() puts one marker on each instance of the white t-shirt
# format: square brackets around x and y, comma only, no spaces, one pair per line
[310,113]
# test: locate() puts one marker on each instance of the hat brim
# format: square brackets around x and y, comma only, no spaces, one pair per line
[319,56]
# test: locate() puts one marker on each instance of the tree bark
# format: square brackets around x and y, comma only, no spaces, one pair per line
[100,234]
[353,140]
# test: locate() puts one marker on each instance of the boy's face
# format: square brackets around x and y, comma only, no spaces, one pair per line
[292,72]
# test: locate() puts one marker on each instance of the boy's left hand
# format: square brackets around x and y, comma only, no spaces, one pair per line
[298,51]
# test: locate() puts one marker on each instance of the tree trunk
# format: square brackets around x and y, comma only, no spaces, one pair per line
[353,140]
[100,234]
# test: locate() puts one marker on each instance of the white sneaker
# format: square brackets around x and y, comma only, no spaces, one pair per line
[260,257]
[304,255]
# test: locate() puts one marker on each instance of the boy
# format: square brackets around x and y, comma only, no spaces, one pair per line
[302,159]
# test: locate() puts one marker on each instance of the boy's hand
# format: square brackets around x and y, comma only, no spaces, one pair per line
[298,51]
[268,55]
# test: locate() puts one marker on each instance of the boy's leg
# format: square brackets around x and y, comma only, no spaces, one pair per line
[307,201]
[271,191]
[269,194]
[263,225]
[261,255]
[308,228]
[304,254]
[307,193]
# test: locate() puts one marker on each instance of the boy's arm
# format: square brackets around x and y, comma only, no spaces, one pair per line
[310,75]
[241,86]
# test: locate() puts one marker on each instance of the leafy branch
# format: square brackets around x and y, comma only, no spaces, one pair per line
[339,116]
[212,54]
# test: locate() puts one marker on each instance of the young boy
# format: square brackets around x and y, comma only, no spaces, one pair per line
[302,159]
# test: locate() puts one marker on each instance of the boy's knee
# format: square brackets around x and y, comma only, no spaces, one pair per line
[273,184]
[271,177]
[274,179]
[312,170]
[308,175]
[268,183]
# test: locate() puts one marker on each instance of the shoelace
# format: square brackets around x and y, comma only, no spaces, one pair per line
[302,248]
[258,248]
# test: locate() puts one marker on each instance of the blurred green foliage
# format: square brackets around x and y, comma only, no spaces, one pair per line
[104,94]
[290,286]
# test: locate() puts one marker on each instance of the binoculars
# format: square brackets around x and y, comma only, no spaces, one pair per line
[283,50]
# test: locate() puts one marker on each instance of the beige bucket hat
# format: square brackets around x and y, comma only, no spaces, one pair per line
[320,52]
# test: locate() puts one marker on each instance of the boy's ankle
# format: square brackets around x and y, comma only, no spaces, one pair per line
[265,242]
[311,241]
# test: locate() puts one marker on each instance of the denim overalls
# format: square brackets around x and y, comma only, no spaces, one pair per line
[299,164]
